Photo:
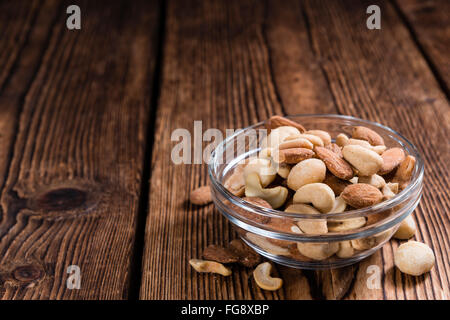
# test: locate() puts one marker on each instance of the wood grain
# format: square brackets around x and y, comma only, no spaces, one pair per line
[233,63]
[74,110]
[429,23]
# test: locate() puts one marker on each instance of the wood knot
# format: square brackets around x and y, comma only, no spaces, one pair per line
[27,273]
[61,199]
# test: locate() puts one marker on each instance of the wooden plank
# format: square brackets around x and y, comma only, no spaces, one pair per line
[233,63]
[75,106]
[429,23]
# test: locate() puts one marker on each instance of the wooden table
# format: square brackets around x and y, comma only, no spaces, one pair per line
[86,118]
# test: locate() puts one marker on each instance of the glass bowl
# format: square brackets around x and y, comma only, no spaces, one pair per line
[302,250]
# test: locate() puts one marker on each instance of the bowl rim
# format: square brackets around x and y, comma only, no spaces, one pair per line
[382,206]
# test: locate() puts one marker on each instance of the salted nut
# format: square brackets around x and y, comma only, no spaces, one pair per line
[264,280]
[306,172]
[264,169]
[274,196]
[209,266]
[366,161]
[407,229]
[313,177]
[312,226]
[319,194]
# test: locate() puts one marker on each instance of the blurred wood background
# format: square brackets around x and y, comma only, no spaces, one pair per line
[86,118]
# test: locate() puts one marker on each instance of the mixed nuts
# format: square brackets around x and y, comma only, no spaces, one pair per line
[309,172]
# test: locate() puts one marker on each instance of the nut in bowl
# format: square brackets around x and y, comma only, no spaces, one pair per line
[326,192]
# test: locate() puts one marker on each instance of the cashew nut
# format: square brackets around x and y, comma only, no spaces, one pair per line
[235,183]
[323,135]
[266,245]
[312,226]
[305,172]
[389,190]
[341,140]
[283,170]
[278,135]
[339,205]
[414,258]
[346,224]
[274,196]
[317,250]
[209,266]
[374,180]
[407,229]
[319,194]
[345,249]
[315,140]
[263,167]
[263,278]
[366,161]
[296,143]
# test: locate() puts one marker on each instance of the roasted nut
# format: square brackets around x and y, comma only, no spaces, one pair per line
[258,218]
[293,155]
[263,167]
[235,183]
[414,258]
[315,140]
[361,195]
[341,140]
[339,205]
[337,166]
[274,196]
[365,133]
[372,241]
[201,196]
[283,170]
[366,161]
[319,194]
[219,254]
[266,245]
[209,266]
[247,256]
[312,226]
[345,250]
[374,180]
[389,190]
[282,225]
[407,228]
[325,136]
[404,172]
[305,172]
[365,144]
[346,224]
[336,184]
[279,121]
[317,250]
[373,218]
[278,135]
[296,143]
[264,280]
[391,160]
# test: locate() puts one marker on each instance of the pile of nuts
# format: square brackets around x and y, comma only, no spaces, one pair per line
[304,171]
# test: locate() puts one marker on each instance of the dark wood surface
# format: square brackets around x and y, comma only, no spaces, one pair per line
[86,119]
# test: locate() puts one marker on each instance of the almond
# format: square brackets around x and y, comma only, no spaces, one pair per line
[391,160]
[294,155]
[336,184]
[367,134]
[335,148]
[279,121]
[201,196]
[338,166]
[361,195]
[219,254]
